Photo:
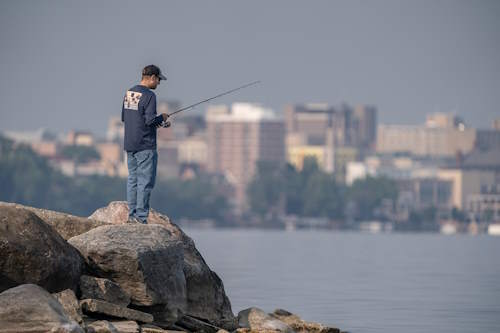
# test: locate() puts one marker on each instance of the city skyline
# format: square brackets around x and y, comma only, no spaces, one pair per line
[66,66]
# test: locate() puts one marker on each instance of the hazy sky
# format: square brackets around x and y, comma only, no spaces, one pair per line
[66,64]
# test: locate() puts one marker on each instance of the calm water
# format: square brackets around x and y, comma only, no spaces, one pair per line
[362,282]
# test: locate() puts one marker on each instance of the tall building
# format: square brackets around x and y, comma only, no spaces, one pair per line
[443,120]
[312,121]
[365,117]
[332,135]
[425,141]
[239,137]
[487,139]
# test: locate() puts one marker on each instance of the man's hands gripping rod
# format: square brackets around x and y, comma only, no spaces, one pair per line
[166,124]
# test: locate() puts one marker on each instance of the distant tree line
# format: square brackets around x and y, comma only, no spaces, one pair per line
[311,192]
[28,178]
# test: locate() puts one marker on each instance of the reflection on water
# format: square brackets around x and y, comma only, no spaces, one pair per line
[362,282]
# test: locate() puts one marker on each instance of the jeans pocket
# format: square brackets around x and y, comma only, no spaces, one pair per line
[144,155]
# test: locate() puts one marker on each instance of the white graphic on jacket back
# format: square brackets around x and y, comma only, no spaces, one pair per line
[131,100]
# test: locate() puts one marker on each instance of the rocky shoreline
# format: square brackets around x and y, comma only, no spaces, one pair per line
[68,274]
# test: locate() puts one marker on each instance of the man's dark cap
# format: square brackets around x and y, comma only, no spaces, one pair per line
[153,70]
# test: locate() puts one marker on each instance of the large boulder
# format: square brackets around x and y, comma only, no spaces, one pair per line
[33,252]
[144,260]
[65,224]
[206,298]
[29,308]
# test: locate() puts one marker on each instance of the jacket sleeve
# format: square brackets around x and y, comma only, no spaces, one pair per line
[123,107]
[150,117]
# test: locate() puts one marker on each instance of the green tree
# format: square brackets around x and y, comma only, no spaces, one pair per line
[196,198]
[266,190]
[424,220]
[294,191]
[80,154]
[323,197]
[458,215]
[308,192]
[368,193]
[27,178]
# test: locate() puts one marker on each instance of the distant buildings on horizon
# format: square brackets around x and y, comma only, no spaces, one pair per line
[441,163]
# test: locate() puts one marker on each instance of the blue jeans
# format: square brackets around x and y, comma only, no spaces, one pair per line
[140,182]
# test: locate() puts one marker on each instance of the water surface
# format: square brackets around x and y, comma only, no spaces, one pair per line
[361,282]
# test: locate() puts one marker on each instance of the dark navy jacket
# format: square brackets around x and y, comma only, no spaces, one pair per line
[141,120]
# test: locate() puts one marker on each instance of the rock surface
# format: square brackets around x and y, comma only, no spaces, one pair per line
[153,269]
[195,325]
[300,325]
[101,326]
[68,300]
[126,326]
[103,289]
[30,308]
[249,330]
[117,213]
[33,252]
[257,319]
[95,306]
[65,224]
[148,328]
[206,297]
[143,259]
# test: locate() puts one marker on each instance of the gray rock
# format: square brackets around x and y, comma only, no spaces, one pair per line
[95,306]
[195,325]
[148,328]
[116,212]
[143,259]
[206,297]
[29,308]
[68,300]
[101,326]
[104,289]
[126,326]
[164,316]
[33,252]
[300,325]
[65,224]
[256,319]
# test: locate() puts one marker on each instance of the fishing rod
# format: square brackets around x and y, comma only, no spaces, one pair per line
[167,123]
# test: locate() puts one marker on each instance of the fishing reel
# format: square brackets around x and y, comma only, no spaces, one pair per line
[165,124]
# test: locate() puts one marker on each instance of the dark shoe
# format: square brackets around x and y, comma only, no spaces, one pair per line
[134,220]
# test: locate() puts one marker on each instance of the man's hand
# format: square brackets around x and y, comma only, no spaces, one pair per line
[165,116]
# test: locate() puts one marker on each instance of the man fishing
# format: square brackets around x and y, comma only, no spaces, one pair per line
[141,121]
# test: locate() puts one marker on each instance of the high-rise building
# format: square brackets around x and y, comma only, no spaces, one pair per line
[323,131]
[365,118]
[312,121]
[488,139]
[425,141]
[443,120]
[239,137]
